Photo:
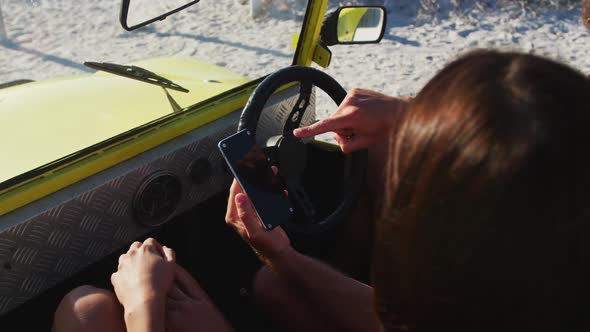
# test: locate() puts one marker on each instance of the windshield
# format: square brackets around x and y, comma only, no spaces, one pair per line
[208,48]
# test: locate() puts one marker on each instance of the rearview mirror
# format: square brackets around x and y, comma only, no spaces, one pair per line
[354,25]
[138,13]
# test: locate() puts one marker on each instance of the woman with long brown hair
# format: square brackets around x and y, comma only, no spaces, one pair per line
[487,207]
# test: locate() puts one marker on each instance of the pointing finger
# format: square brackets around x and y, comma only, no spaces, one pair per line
[320,127]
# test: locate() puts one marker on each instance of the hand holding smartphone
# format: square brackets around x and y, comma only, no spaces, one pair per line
[250,167]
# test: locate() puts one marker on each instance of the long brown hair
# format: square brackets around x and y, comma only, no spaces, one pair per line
[487,202]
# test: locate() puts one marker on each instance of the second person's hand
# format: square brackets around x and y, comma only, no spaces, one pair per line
[143,278]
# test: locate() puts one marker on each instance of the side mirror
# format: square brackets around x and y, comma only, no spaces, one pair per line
[354,25]
[138,13]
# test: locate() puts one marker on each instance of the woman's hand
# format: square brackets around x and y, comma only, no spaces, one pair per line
[363,119]
[189,307]
[241,216]
[144,276]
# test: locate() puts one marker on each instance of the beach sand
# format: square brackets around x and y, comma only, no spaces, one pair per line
[52,38]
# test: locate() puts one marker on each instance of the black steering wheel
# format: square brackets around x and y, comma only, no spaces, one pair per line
[290,154]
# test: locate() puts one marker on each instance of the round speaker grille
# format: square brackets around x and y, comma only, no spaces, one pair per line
[156,198]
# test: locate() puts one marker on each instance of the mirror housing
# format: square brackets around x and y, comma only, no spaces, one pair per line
[354,25]
[139,20]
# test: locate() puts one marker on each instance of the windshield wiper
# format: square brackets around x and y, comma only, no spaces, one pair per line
[136,73]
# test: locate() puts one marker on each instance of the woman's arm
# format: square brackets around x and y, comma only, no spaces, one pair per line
[345,301]
[148,317]
[141,283]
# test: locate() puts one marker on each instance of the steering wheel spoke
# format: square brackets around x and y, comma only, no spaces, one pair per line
[301,200]
[272,154]
[294,119]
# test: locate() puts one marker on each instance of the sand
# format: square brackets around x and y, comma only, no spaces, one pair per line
[52,38]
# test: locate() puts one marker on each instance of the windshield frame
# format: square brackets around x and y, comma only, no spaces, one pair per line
[32,185]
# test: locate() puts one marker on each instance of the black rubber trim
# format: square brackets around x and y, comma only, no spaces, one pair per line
[14,83]
[328,32]
[125,11]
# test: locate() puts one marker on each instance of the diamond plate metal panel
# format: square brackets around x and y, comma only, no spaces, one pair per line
[274,115]
[51,246]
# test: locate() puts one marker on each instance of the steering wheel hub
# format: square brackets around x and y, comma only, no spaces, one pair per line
[292,157]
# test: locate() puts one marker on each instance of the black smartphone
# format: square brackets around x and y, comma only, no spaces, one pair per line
[249,165]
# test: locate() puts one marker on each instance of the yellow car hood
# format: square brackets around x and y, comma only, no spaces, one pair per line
[43,121]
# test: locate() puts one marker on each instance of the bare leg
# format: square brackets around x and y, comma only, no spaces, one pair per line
[285,307]
[89,309]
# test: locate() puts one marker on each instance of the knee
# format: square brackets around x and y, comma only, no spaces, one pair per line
[85,300]
[86,306]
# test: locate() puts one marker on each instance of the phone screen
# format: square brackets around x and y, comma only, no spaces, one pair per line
[251,169]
